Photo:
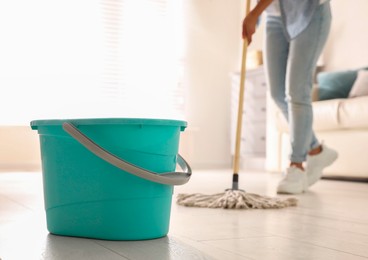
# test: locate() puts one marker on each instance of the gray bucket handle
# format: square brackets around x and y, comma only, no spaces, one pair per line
[169,178]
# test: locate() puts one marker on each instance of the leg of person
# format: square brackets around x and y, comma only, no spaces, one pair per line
[320,156]
[277,50]
[304,53]
[276,55]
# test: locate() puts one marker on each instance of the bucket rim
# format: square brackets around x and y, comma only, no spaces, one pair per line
[109,121]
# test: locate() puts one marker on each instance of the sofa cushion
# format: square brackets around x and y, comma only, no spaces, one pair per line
[336,84]
[360,87]
[346,113]
[353,113]
[325,114]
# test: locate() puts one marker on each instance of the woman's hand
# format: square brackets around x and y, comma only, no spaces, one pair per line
[249,27]
[250,21]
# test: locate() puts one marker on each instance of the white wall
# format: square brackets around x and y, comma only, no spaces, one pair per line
[19,149]
[214,40]
[347,46]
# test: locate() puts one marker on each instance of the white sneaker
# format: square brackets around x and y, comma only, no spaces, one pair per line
[316,163]
[294,182]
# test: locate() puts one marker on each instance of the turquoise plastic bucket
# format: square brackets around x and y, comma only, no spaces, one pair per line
[110,178]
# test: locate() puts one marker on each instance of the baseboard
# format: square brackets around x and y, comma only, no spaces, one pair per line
[345,178]
[24,167]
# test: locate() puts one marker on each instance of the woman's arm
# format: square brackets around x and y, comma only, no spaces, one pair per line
[250,21]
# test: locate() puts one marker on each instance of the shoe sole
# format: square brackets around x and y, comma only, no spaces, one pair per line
[291,191]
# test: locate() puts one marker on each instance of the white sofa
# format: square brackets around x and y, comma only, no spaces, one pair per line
[341,123]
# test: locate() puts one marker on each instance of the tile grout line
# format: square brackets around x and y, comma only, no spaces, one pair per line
[230,252]
[225,250]
[309,243]
[204,244]
[111,250]
[18,203]
[273,235]
[330,218]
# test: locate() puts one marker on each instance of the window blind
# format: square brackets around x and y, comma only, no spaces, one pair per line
[89,58]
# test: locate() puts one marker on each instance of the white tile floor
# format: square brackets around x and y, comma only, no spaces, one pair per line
[330,222]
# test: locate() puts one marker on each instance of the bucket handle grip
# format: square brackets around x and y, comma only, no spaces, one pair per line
[169,178]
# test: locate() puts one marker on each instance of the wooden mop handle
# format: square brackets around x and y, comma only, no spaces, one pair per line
[240,105]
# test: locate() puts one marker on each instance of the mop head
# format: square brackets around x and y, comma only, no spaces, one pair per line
[234,199]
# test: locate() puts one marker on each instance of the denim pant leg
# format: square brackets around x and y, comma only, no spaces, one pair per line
[276,56]
[304,51]
[285,80]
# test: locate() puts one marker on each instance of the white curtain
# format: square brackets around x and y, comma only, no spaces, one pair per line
[90,58]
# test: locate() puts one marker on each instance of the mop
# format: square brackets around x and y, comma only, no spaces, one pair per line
[236,198]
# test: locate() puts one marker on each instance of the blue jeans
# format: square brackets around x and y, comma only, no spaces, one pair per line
[290,67]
